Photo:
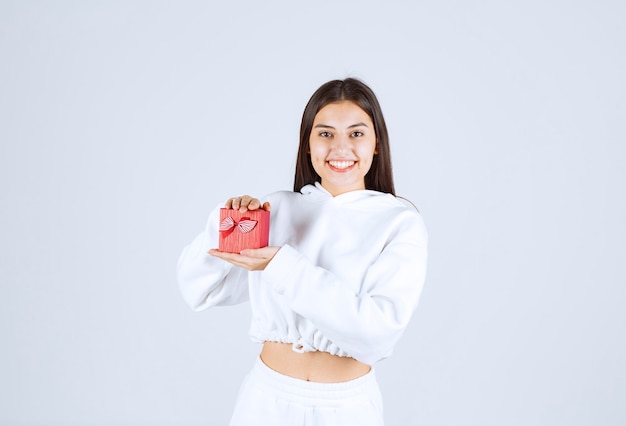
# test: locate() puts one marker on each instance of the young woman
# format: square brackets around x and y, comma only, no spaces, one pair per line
[336,287]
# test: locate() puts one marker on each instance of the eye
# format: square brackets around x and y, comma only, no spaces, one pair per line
[325,134]
[356,134]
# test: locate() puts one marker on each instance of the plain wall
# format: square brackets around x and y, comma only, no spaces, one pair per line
[123,123]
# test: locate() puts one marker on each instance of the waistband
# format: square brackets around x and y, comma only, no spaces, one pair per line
[289,386]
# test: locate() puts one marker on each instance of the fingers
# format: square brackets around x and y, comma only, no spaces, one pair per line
[267,253]
[244,203]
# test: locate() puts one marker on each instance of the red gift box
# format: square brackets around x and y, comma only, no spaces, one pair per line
[239,231]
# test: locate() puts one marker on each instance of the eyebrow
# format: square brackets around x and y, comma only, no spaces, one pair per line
[326,126]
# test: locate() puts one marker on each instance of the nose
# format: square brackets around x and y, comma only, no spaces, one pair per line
[341,143]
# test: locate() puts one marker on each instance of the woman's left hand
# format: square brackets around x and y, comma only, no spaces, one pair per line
[250,259]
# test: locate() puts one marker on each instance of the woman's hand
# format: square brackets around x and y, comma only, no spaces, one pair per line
[250,259]
[245,203]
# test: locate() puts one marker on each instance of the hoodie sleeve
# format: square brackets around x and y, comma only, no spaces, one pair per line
[367,324]
[207,281]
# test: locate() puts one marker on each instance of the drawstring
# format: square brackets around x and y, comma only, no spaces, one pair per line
[301,346]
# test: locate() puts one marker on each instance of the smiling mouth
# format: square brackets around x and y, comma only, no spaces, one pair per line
[341,165]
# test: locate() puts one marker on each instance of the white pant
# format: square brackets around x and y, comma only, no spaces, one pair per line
[268,398]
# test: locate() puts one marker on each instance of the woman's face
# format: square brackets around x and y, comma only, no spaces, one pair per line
[342,146]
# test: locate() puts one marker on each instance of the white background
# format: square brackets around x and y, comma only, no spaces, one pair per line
[122,123]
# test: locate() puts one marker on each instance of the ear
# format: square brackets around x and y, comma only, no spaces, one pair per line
[376,148]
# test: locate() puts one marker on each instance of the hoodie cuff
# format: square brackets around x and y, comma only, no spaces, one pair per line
[282,269]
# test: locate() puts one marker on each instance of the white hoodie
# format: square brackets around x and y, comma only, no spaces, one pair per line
[346,280]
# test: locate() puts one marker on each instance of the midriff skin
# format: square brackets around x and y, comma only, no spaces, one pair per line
[311,366]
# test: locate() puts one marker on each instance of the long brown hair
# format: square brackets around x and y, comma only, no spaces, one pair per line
[380,176]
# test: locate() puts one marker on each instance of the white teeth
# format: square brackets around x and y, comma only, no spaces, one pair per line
[341,164]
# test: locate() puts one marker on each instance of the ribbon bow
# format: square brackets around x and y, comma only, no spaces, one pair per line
[245,225]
